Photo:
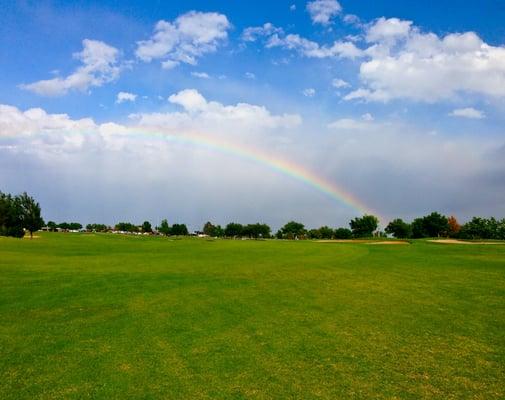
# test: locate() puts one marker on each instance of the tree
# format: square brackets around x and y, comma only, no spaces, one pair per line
[125,227]
[481,228]
[164,228]
[364,226]
[218,231]
[146,227]
[11,221]
[293,230]
[74,226]
[30,214]
[256,231]
[179,230]
[399,229]
[418,230]
[435,225]
[342,233]
[453,226]
[97,228]
[52,226]
[314,234]
[233,229]
[209,229]
[326,232]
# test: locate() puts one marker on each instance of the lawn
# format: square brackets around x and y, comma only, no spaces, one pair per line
[115,317]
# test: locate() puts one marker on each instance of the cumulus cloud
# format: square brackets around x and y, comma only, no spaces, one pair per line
[339,83]
[184,40]
[201,75]
[323,11]
[204,115]
[468,112]
[351,124]
[125,96]
[311,49]
[309,92]
[99,65]
[404,62]
[252,33]
[388,30]
[250,75]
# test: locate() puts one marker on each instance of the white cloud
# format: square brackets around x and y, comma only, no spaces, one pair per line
[292,7]
[367,117]
[201,75]
[323,11]
[388,30]
[250,75]
[190,99]
[339,83]
[312,49]
[184,40]
[468,112]
[350,124]
[404,62]
[252,33]
[352,19]
[125,96]
[211,115]
[99,66]
[310,92]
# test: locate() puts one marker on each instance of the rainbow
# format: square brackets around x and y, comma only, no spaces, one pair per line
[285,167]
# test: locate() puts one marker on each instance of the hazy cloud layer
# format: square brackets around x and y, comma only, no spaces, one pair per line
[400,169]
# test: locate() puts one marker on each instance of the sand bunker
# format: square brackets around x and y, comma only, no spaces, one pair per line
[455,241]
[364,241]
[390,242]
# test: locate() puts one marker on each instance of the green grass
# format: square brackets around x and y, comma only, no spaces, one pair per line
[113,317]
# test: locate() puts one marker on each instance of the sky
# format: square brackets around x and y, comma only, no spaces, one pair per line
[317,111]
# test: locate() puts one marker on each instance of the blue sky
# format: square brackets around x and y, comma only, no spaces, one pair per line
[399,103]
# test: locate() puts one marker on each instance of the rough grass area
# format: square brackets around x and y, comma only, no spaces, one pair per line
[113,317]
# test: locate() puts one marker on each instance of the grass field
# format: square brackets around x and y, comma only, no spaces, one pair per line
[114,317]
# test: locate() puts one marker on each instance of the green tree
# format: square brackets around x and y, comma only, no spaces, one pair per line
[342,233]
[74,226]
[399,229]
[146,227]
[125,227]
[326,232]
[481,228]
[30,214]
[179,230]
[314,234]
[164,228]
[256,231]
[233,229]
[209,229]
[436,225]
[418,229]
[364,226]
[218,231]
[11,216]
[293,230]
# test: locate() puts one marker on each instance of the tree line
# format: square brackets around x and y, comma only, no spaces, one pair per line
[21,213]
[437,225]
